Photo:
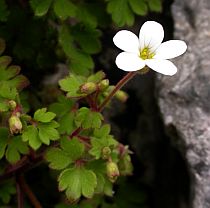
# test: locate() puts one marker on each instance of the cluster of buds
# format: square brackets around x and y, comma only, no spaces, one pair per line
[90,87]
[15,124]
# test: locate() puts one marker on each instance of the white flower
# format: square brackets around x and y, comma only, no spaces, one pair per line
[148,49]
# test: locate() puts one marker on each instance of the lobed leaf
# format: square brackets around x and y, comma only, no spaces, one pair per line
[155,5]
[139,7]
[63,106]
[88,38]
[71,85]
[73,148]
[43,116]
[80,62]
[57,158]
[40,7]
[77,181]
[47,132]
[121,12]
[16,147]
[6,91]
[30,134]
[64,9]
[87,118]
[97,77]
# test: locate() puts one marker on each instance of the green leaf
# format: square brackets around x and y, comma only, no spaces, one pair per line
[7,188]
[100,140]
[40,7]
[80,62]
[63,106]
[47,132]
[43,116]
[4,62]
[66,122]
[9,73]
[155,5]
[4,13]
[86,15]
[3,105]
[103,131]
[121,12]
[3,140]
[57,158]
[88,38]
[97,77]
[100,183]
[30,134]
[6,91]
[64,9]
[86,118]
[73,148]
[139,7]
[77,182]
[16,147]
[71,84]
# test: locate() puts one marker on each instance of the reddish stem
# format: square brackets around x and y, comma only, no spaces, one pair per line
[19,194]
[25,187]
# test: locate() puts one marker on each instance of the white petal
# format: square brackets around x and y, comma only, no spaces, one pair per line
[151,35]
[127,41]
[129,62]
[165,67]
[171,49]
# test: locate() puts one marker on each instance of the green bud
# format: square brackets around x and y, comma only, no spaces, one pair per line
[12,104]
[88,88]
[103,84]
[112,171]
[15,124]
[125,165]
[121,96]
[106,151]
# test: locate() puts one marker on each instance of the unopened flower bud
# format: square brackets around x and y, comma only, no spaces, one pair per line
[12,104]
[103,84]
[112,171]
[106,151]
[15,124]
[88,88]
[121,96]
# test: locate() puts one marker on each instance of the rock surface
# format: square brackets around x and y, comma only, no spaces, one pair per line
[184,99]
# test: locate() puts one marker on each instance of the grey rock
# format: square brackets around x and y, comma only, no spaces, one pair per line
[184,99]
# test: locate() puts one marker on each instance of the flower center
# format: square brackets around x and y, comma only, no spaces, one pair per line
[146,54]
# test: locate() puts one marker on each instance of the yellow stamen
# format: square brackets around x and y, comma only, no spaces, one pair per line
[146,54]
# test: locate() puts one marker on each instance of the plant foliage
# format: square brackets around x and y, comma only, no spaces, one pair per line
[61,124]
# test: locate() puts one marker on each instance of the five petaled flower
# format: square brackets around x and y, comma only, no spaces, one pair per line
[148,49]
